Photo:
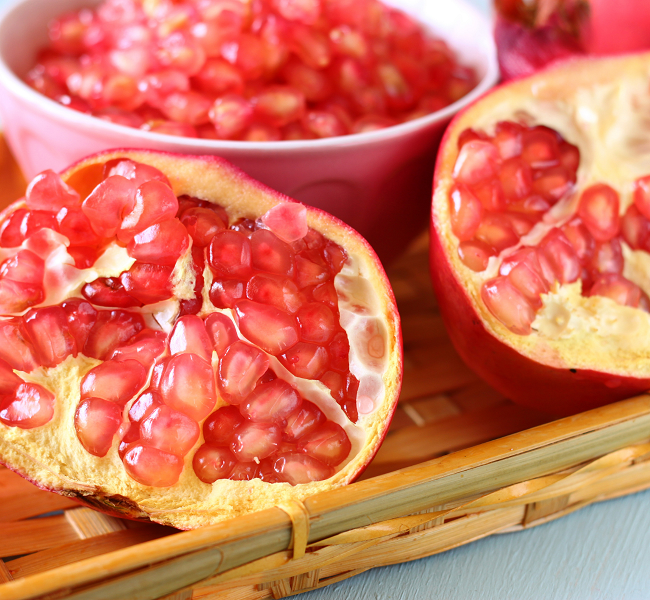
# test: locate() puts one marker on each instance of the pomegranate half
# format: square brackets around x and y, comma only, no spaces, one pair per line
[541,234]
[180,343]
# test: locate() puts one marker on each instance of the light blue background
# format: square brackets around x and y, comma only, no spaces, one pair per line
[598,553]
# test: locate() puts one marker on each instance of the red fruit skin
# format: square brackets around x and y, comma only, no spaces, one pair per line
[553,390]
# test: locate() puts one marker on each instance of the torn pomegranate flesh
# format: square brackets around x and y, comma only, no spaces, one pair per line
[504,186]
[151,392]
[257,71]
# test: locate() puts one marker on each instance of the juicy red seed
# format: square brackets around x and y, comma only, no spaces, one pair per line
[151,466]
[16,297]
[240,368]
[608,257]
[269,253]
[202,224]
[325,293]
[224,293]
[553,184]
[35,220]
[540,148]
[619,289]
[580,238]
[132,435]
[169,430]
[9,381]
[108,291]
[496,231]
[30,406]
[148,283]
[24,267]
[245,471]
[211,463]
[287,220]
[229,254]
[50,335]
[10,233]
[477,161]
[271,329]
[329,444]
[598,209]
[475,254]
[271,402]
[309,273]
[642,195]
[303,421]
[96,422]
[339,351]
[190,335]
[110,330]
[635,229]
[144,347]
[73,224]
[117,381]
[47,191]
[160,244]
[560,255]
[83,257]
[144,405]
[301,468]
[107,204]
[15,347]
[466,212]
[255,441]
[317,323]
[278,105]
[221,331]
[307,361]
[187,385]
[154,202]
[275,290]
[516,179]
[219,427]
[508,305]
[508,139]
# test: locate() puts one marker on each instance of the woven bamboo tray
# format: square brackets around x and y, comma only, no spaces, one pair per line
[445,476]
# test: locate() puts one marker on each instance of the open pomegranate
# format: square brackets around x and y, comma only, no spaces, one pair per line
[181,343]
[541,235]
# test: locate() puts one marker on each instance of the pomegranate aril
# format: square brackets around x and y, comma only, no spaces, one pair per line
[496,231]
[516,179]
[598,209]
[329,444]
[136,172]
[339,351]
[559,253]
[307,361]
[224,293]
[318,323]
[15,297]
[160,244]
[10,233]
[270,328]
[50,335]
[280,292]
[325,293]
[466,212]
[154,203]
[47,191]
[303,421]
[219,427]
[475,254]
[15,347]
[108,291]
[491,196]
[73,224]
[231,115]
[96,422]
[144,405]
[35,220]
[240,368]
[187,385]
[151,466]
[635,229]
[476,162]
[201,224]
[221,330]
[619,289]
[106,205]
[580,238]
[297,468]
[81,317]
[526,275]
[608,257]
[553,183]
[245,471]
[117,381]
[169,430]
[508,139]
[309,273]
[642,195]
[218,77]
[269,253]
[508,305]
[278,105]
[540,148]
[229,254]
[190,335]
[30,406]
[110,330]
[211,463]
[144,347]
[148,283]
[255,441]
[271,402]
[9,381]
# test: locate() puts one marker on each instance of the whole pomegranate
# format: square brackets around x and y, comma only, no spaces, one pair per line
[541,234]
[179,342]
[530,35]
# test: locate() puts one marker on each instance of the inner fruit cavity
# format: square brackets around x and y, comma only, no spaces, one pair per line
[254,71]
[515,199]
[243,373]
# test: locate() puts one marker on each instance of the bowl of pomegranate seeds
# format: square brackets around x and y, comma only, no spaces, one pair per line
[338,103]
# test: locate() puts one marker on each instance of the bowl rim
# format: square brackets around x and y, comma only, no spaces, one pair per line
[15,85]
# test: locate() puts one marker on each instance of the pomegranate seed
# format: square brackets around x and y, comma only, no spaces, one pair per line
[533,205]
[35,220]
[569,157]
[255,441]
[151,466]
[202,224]
[466,213]
[475,254]
[325,293]
[148,283]
[108,203]
[508,139]
[154,203]
[225,293]
[339,351]
[287,220]
[220,425]
[187,385]
[525,273]
[190,335]
[598,209]
[30,406]
[580,238]
[108,291]
[144,347]
[117,381]
[324,124]
[619,289]
[508,305]
[307,361]
[635,229]
[73,224]
[476,162]
[15,347]
[317,323]
[239,371]
[271,329]
[301,468]
[221,331]
[245,471]
[96,422]
[231,115]
[110,330]
[160,244]
[309,273]
[560,254]
[144,405]
[136,172]
[516,179]
[269,253]
[642,195]
[178,51]
[521,223]
[491,196]
[47,191]
[496,231]
[50,335]
[278,105]
[608,257]
[10,234]
[311,46]
[329,444]
[553,184]
[16,297]
[271,402]
[83,257]
[81,317]
[218,77]
[247,54]
[229,254]
[9,381]
[311,83]
[169,430]
[540,148]
[303,421]
[211,463]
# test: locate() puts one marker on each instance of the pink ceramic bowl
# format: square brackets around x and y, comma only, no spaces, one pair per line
[378,182]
